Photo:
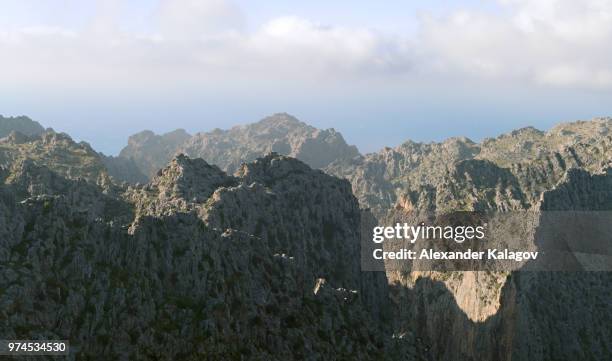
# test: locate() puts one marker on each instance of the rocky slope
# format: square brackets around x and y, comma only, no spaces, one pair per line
[56,151]
[263,263]
[530,179]
[228,149]
[151,152]
[280,133]
[22,124]
[124,169]
[518,315]
[20,137]
[537,160]
[194,265]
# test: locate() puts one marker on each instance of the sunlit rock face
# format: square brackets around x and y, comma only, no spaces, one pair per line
[532,160]
[279,133]
[228,149]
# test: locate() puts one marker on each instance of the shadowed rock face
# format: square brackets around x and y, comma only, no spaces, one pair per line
[124,169]
[518,315]
[151,152]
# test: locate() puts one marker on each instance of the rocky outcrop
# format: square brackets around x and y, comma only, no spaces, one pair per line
[378,179]
[21,124]
[229,149]
[56,151]
[538,160]
[280,133]
[21,136]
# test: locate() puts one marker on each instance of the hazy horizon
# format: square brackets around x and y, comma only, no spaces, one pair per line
[347,139]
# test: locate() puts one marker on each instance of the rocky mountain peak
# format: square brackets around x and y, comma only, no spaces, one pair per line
[526,162]
[21,124]
[228,149]
[527,132]
[280,133]
[270,168]
[56,151]
[280,120]
[191,179]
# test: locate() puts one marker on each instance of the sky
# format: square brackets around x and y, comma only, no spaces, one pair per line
[380,72]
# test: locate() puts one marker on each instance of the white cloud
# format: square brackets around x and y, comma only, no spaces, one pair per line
[552,42]
[194,19]
[546,42]
[292,42]
[569,19]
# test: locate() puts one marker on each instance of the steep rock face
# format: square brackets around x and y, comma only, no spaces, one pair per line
[322,214]
[122,280]
[289,195]
[477,185]
[151,152]
[301,213]
[576,304]
[124,169]
[280,133]
[522,176]
[581,191]
[22,124]
[509,315]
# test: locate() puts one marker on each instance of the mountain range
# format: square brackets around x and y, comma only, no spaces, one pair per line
[245,244]
[228,149]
